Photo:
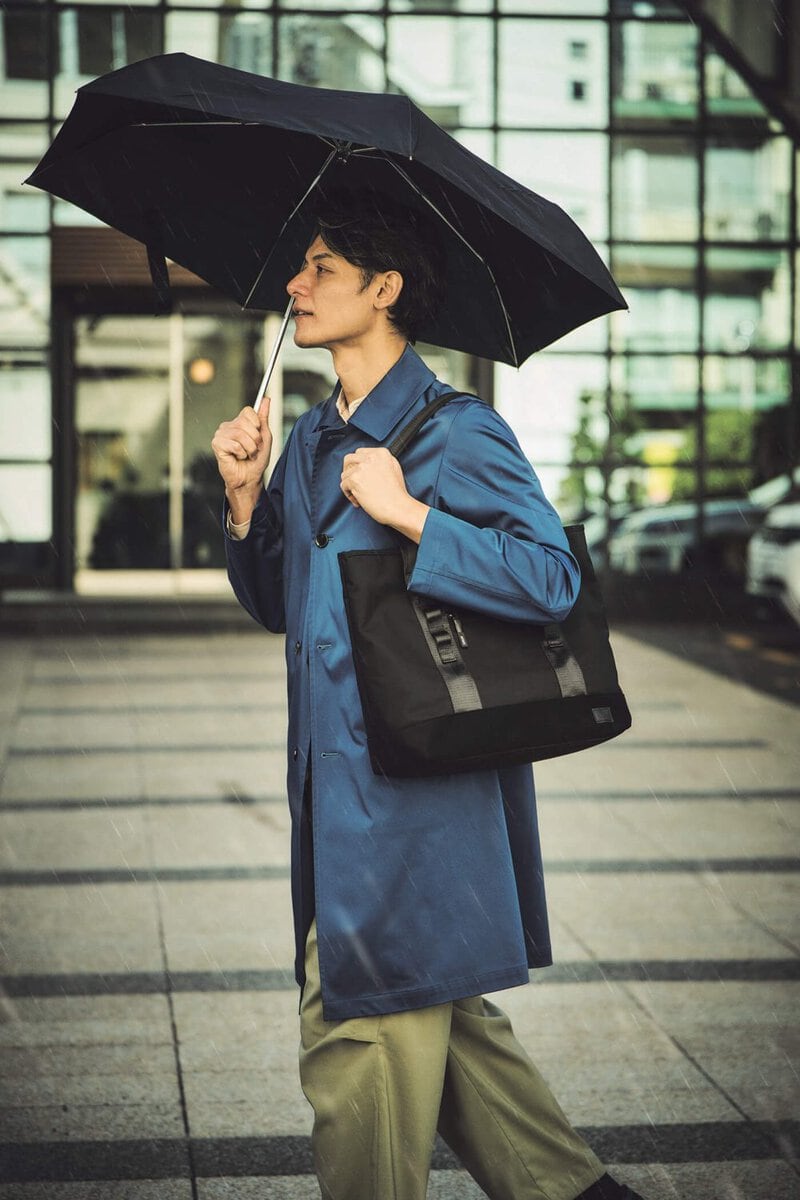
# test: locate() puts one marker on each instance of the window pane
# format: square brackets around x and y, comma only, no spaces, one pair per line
[24,291]
[655,71]
[660,285]
[747,306]
[747,413]
[332,4]
[414,5]
[646,8]
[543,51]
[645,487]
[23,67]
[579,8]
[570,169]
[556,404]
[655,183]
[445,66]
[23,209]
[237,39]
[25,513]
[727,94]
[25,431]
[747,189]
[654,409]
[334,52]
[91,42]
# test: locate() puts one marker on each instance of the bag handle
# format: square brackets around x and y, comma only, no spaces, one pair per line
[410,431]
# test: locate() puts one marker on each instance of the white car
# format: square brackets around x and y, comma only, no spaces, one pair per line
[662,540]
[773,559]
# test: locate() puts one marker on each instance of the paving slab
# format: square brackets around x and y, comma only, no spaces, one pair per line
[71,776]
[99,837]
[220,835]
[225,772]
[650,916]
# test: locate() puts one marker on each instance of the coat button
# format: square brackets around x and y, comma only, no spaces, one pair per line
[295,753]
[321,540]
[298,646]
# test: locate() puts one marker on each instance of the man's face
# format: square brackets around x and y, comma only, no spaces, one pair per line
[330,308]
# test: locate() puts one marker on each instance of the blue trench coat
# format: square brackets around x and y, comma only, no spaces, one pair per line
[425,890]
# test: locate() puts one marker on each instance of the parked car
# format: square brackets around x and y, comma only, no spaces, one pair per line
[663,540]
[773,559]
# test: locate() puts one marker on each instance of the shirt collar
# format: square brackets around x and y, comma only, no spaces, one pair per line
[389,401]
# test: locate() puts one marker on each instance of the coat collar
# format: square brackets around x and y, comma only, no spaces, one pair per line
[388,402]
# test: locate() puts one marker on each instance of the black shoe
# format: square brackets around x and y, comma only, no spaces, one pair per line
[606,1188]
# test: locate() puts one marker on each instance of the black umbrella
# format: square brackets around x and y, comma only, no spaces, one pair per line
[216,169]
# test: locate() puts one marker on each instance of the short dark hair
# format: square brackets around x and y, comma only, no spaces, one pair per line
[377,233]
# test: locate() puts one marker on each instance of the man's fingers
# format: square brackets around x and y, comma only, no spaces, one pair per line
[237,443]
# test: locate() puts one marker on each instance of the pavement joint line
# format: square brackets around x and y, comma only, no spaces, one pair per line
[39,751]
[127,677]
[148,983]
[89,875]
[244,801]
[766,795]
[290,1155]
[136,747]
[133,709]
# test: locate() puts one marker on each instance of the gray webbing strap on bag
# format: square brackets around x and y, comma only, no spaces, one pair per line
[563,661]
[464,694]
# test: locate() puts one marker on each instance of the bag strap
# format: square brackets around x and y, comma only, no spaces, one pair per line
[410,431]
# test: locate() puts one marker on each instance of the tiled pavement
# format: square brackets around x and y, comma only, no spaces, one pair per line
[148,1022]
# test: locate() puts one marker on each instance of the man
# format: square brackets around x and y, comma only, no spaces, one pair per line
[411,897]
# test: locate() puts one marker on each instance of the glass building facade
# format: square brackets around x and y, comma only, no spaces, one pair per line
[618,110]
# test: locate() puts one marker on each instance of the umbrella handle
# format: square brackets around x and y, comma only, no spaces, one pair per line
[273,358]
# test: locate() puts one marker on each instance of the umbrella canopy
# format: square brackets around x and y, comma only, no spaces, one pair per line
[217,169]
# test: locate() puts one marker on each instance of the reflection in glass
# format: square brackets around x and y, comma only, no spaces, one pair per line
[556,405]
[655,71]
[660,285]
[236,39]
[22,209]
[24,291]
[338,52]
[648,486]
[747,302]
[727,94]
[25,503]
[747,401]
[445,65]
[23,62]
[570,91]
[747,189]
[655,188]
[25,426]
[567,8]
[91,42]
[570,169]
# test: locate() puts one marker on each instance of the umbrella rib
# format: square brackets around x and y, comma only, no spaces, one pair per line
[470,247]
[300,202]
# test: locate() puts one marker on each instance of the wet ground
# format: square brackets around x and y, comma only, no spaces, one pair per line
[148,1021]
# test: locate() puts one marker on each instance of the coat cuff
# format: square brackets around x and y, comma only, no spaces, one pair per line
[263,519]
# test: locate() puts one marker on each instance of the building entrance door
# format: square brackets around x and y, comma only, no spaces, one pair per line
[149,394]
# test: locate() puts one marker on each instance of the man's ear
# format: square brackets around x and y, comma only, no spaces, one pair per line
[390,288]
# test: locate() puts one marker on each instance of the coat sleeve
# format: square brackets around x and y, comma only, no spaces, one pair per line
[255,564]
[493,542]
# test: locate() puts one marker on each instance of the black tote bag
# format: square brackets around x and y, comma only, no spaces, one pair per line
[446,690]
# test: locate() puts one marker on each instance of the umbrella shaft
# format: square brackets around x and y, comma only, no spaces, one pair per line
[273,358]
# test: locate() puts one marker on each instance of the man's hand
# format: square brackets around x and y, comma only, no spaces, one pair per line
[372,479]
[242,448]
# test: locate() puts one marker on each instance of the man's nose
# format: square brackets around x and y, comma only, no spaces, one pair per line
[295,284]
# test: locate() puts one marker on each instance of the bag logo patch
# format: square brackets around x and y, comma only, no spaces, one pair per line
[603,716]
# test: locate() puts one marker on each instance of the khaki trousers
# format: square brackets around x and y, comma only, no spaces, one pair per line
[381,1086]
